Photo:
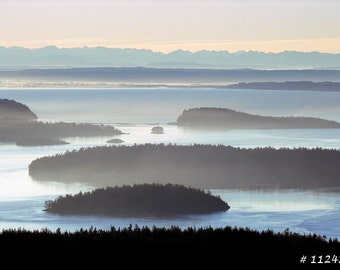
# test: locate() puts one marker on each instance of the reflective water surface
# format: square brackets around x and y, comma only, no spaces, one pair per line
[135,112]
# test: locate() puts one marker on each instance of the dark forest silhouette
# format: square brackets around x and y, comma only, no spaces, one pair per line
[159,246]
[201,166]
[138,200]
[227,118]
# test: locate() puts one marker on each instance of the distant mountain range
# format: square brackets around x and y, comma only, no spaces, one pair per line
[16,58]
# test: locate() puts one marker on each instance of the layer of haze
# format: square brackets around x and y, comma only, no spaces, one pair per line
[167,25]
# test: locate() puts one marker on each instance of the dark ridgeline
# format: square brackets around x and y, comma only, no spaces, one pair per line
[226,118]
[201,166]
[18,122]
[160,247]
[144,200]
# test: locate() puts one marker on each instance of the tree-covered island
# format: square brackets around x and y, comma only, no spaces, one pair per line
[200,166]
[138,200]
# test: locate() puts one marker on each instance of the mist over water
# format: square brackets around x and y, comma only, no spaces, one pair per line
[164,105]
[135,112]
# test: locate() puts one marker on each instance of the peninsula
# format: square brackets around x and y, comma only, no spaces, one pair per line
[39,141]
[231,119]
[11,110]
[18,122]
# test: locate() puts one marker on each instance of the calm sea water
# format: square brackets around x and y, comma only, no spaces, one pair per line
[135,111]
[165,105]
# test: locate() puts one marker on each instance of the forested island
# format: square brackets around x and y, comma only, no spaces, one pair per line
[200,166]
[143,200]
[231,119]
[39,141]
[209,247]
[18,122]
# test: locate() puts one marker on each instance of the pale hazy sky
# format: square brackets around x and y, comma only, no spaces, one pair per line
[167,25]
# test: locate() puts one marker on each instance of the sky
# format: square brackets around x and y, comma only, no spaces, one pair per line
[168,25]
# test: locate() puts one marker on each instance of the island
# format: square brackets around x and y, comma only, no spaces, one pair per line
[143,200]
[199,166]
[18,122]
[39,141]
[231,119]
[157,130]
[115,141]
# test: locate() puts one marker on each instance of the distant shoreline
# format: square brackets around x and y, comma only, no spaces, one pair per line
[114,86]
[142,77]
